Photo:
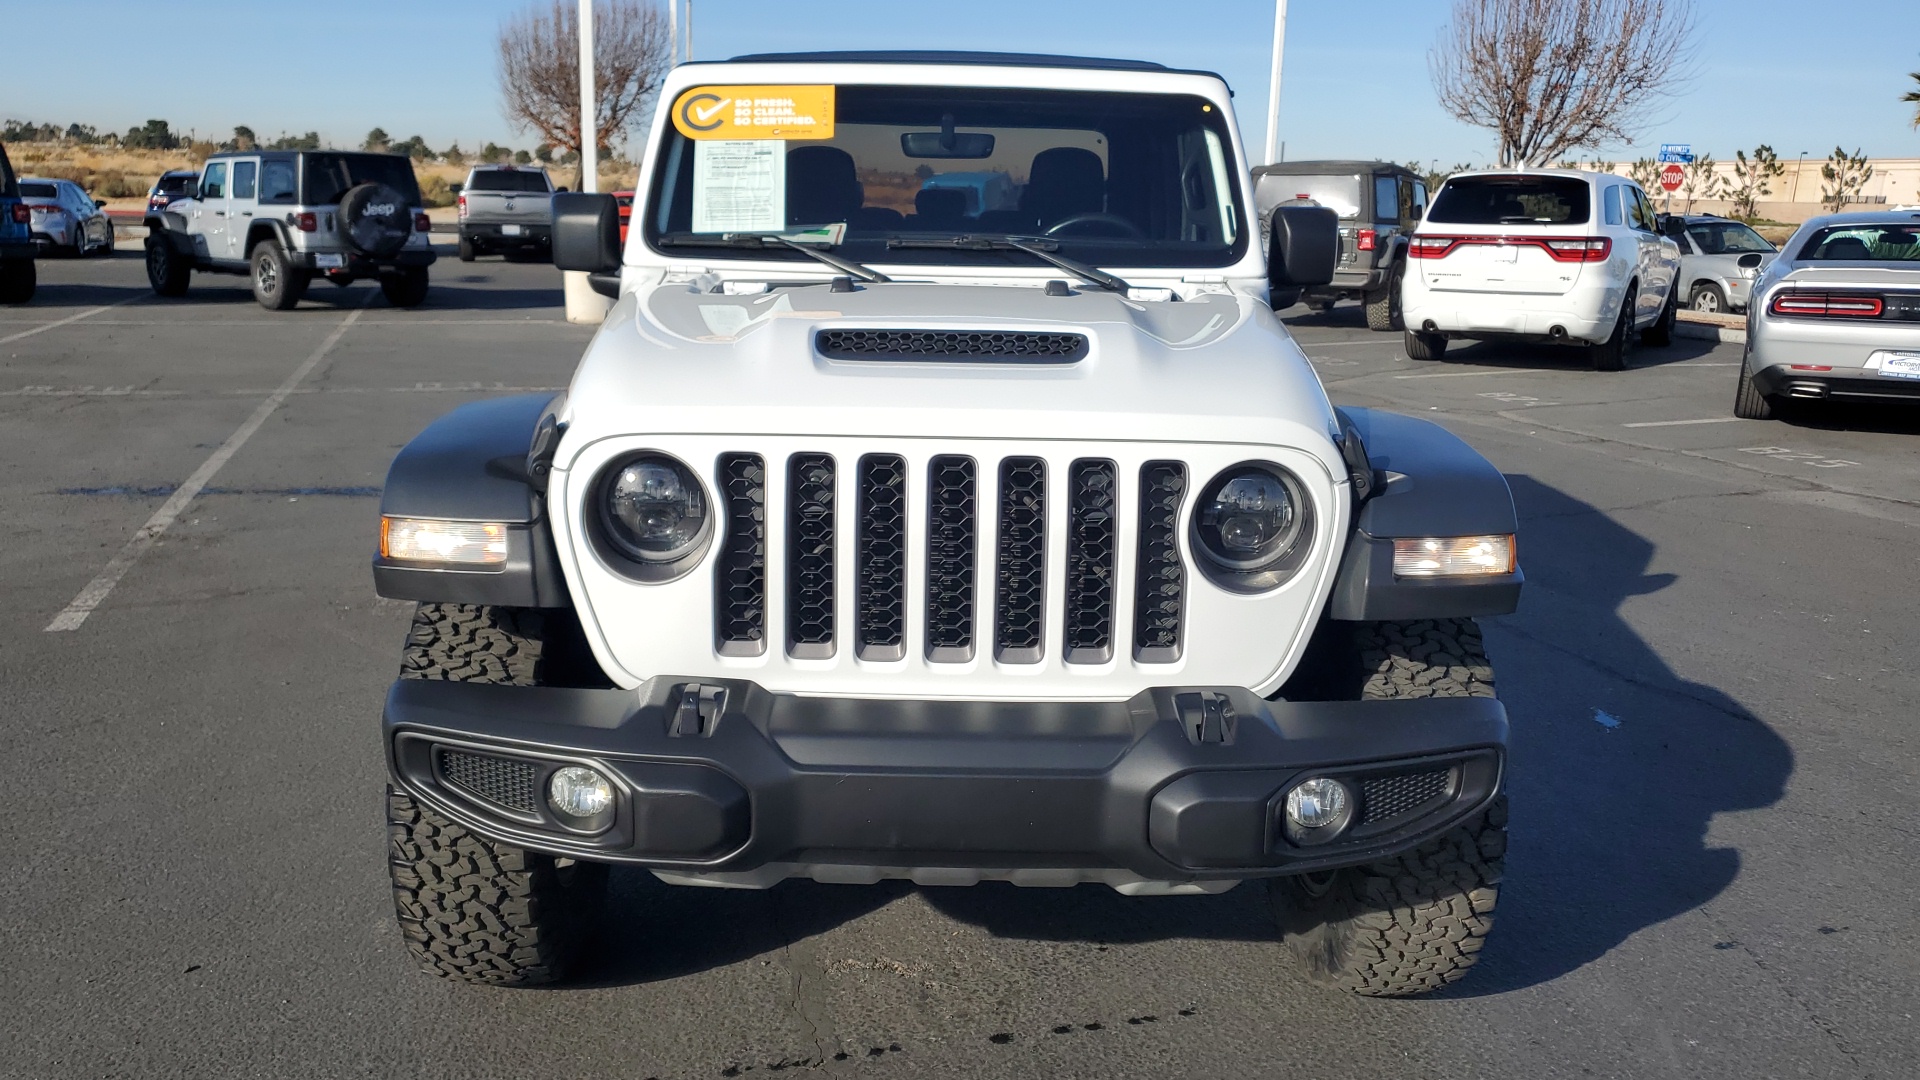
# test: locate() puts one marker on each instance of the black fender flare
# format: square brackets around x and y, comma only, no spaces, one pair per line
[484,461]
[1425,482]
[270,226]
[168,227]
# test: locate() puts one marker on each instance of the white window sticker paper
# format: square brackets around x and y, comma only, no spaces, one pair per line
[739,185]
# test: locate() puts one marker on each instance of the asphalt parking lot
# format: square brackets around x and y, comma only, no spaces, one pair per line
[1713,857]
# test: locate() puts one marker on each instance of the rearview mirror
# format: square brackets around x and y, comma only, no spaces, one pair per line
[1303,249]
[946,144]
[586,232]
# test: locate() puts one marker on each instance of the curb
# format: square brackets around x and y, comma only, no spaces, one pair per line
[1708,328]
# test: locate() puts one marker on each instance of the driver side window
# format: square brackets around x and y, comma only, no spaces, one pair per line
[214,184]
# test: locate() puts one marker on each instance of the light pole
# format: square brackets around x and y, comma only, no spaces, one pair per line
[1798,166]
[1273,94]
[583,304]
[689,30]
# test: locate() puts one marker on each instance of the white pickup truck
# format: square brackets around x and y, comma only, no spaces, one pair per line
[506,210]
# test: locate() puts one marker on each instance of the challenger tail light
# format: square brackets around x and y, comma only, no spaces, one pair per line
[1570,250]
[1827,305]
[1367,238]
[421,224]
[309,222]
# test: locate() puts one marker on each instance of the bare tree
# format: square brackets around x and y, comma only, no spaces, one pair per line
[1552,76]
[540,68]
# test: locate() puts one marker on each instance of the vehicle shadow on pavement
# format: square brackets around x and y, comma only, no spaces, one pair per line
[1523,356]
[1902,419]
[321,297]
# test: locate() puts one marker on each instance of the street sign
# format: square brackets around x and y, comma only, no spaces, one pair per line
[1676,151]
[1672,177]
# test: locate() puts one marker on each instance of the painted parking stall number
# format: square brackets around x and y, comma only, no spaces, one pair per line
[1521,400]
[1783,453]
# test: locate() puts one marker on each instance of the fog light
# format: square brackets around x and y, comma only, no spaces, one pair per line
[1456,556]
[451,543]
[579,792]
[1317,810]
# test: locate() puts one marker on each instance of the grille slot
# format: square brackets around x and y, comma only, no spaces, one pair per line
[741,580]
[810,556]
[503,782]
[950,558]
[882,552]
[1016,347]
[1161,580]
[1091,546]
[1021,570]
[1384,797]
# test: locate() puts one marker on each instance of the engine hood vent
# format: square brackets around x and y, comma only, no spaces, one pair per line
[953,346]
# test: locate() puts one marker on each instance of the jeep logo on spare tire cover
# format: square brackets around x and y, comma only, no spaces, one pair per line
[375,220]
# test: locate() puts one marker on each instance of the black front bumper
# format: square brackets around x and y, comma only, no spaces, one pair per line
[1176,784]
[489,237]
[1780,380]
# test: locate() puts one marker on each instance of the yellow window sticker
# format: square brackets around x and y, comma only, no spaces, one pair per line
[755,112]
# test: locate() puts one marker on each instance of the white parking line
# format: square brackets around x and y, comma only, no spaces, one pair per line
[1454,374]
[163,518]
[87,314]
[1686,423]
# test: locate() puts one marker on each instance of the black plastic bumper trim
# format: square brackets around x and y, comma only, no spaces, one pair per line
[779,778]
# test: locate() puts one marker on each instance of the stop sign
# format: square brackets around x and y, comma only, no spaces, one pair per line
[1672,177]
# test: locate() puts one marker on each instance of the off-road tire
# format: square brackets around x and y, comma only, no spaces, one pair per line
[277,284]
[466,250]
[1413,923]
[1748,402]
[168,271]
[18,280]
[1706,296]
[476,911]
[1611,354]
[405,288]
[471,909]
[1660,334]
[1383,306]
[1424,346]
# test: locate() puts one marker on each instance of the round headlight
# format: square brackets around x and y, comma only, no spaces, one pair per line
[655,509]
[1248,518]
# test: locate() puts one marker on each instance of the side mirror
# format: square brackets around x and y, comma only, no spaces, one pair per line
[1303,250]
[99,204]
[455,189]
[1750,260]
[560,191]
[586,232]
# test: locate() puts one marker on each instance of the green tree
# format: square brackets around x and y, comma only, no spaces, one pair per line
[521,157]
[1844,176]
[1753,179]
[243,138]
[495,155]
[454,155]
[377,141]
[83,134]
[543,154]
[1912,97]
[1703,180]
[415,148]
[153,135]
[1646,173]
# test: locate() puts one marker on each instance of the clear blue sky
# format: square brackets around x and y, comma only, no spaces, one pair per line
[1782,72]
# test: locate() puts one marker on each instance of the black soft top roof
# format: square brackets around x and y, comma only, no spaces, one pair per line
[938,56]
[1319,168]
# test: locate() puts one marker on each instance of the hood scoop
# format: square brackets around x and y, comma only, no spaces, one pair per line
[953,346]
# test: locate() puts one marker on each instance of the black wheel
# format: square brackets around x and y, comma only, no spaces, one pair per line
[1707,297]
[1611,354]
[466,250]
[1415,922]
[168,271]
[108,248]
[18,280]
[1383,306]
[406,288]
[1660,334]
[1748,402]
[469,908]
[1425,346]
[277,284]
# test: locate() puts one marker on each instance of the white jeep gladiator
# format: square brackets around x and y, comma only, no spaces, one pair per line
[888,533]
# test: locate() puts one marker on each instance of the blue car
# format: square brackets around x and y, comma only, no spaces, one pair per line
[17,278]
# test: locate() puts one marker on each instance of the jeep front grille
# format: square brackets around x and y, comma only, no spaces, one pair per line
[1383,797]
[974,539]
[502,781]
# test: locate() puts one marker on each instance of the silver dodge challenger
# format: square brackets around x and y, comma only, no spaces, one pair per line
[1836,316]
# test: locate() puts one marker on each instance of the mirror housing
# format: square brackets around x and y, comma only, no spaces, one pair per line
[1750,260]
[586,232]
[456,189]
[99,204]
[1302,250]
[561,190]
[946,144]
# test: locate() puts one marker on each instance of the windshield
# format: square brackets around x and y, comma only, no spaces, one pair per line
[1863,243]
[1126,179]
[501,180]
[1341,194]
[328,176]
[1512,200]
[1727,238]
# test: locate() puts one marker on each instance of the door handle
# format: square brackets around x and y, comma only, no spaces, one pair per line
[246,213]
[219,213]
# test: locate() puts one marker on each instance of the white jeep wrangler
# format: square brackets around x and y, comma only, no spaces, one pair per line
[885,533]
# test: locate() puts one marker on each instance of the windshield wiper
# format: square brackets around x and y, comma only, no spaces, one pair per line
[765,240]
[1034,246]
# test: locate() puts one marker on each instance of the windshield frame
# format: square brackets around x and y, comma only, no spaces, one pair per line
[667,149]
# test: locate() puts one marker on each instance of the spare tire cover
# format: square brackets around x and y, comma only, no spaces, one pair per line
[376,220]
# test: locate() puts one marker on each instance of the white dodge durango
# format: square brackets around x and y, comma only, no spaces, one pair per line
[1549,255]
